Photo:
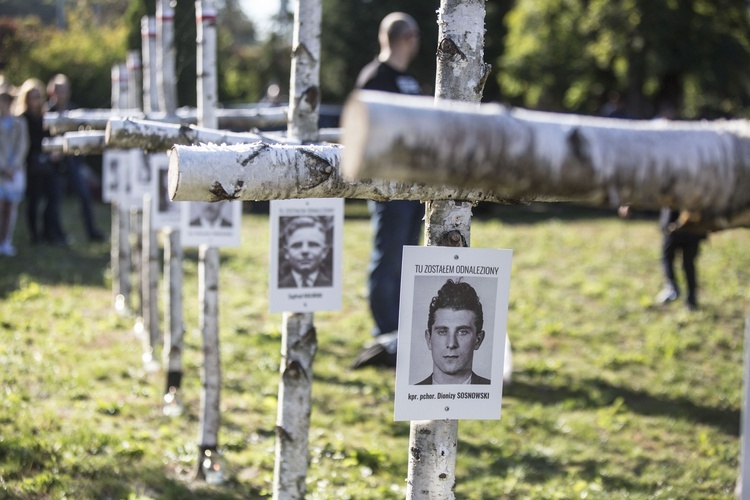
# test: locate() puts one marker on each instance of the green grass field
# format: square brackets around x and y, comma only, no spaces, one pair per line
[611,397]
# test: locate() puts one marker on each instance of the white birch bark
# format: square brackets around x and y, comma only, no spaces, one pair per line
[97,119]
[150,283]
[742,489]
[461,70]
[276,172]
[119,249]
[84,143]
[298,341]
[136,262]
[165,57]
[205,13]
[173,325]
[88,119]
[135,75]
[119,91]
[298,347]
[120,259]
[209,256]
[157,136]
[461,74]
[697,166]
[150,86]
[208,296]
[54,145]
[304,98]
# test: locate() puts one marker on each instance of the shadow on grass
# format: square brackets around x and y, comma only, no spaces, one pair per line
[34,466]
[539,469]
[48,265]
[593,393]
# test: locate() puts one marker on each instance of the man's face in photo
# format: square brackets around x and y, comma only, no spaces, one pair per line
[306,248]
[212,211]
[453,340]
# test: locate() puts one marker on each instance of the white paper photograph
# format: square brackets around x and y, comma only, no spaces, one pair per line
[451,340]
[139,183]
[166,213]
[305,269]
[215,224]
[115,175]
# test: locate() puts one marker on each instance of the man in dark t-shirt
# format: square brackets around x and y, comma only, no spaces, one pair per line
[394,223]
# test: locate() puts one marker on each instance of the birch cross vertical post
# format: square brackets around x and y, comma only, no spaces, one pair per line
[173,264]
[461,74]
[135,75]
[148,40]
[165,57]
[120,245]
[299,339]
[209,467]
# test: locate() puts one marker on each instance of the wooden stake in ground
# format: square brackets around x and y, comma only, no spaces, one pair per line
[299,340]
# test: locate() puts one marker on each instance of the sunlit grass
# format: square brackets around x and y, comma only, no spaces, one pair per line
[611,397]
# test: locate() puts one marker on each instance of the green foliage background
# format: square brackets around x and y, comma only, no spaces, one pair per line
[560,55]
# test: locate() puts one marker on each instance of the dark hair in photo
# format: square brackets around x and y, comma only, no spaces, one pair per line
[301,221]
[459,296]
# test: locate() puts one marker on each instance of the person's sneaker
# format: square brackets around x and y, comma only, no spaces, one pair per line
[382,352]
[667,295]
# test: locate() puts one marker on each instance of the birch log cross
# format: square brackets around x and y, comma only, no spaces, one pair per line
[262,171]
[696,166]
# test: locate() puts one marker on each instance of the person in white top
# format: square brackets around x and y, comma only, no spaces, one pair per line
[14,145]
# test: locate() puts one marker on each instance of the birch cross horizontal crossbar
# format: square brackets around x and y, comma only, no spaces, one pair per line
[157,136]
[697,166]
[261,171]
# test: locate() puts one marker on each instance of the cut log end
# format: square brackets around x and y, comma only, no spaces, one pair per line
[353,137]
[173,175]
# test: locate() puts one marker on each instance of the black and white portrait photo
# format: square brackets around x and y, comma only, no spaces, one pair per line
[206,214]
[306,255]
[451,333]
[454,333]
[166,213]
[209,223]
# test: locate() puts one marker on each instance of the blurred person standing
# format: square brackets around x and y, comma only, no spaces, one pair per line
[58,100]
[14,145]
[394,223]
[42,183]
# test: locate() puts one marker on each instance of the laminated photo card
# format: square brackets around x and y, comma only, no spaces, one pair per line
[452,333]
[305,271]
[211,223]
